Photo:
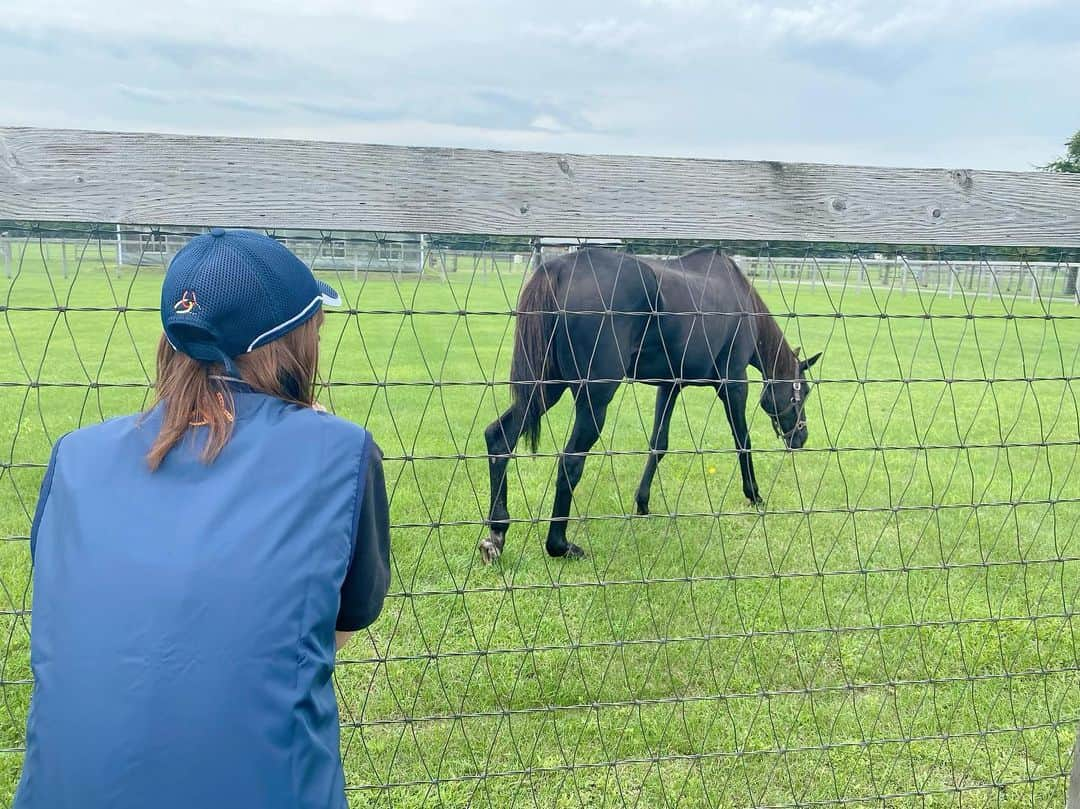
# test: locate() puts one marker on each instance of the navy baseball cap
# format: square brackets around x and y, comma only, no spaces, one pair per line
[228,292]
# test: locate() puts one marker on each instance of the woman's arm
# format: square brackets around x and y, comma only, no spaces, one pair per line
[368,576]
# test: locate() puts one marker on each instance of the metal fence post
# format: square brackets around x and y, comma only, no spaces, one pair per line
[5,254]
[1072,797]
[1072,271]
[119,250]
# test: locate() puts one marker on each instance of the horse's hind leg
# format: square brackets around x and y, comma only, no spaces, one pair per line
[502,437]
[590,411]
[658,441]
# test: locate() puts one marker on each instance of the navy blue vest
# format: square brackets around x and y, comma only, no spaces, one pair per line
[183,620]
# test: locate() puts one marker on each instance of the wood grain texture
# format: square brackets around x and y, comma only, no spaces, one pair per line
[65,175]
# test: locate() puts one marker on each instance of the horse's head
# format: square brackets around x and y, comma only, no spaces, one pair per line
[784,400]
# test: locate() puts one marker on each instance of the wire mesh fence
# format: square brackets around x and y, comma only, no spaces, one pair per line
[892,626]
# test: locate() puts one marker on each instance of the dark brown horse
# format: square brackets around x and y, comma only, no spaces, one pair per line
[591,319]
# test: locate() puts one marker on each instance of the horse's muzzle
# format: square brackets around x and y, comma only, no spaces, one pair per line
[797,438]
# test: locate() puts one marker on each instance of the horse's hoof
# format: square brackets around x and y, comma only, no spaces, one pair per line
[573,552]
[643,509]
[569,551]
[490,550]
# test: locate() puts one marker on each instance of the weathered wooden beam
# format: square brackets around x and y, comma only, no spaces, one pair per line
[65,175]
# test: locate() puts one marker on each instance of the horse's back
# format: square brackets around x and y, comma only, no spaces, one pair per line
[605,304]
[600,279]
[705,301]
[595,279]
[704,280]
[651,319]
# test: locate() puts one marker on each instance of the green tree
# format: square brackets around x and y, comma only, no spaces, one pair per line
[1071,161]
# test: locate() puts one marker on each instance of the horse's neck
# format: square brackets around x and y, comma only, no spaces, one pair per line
[773,356]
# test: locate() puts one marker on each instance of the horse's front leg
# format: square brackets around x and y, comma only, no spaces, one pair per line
[733,394]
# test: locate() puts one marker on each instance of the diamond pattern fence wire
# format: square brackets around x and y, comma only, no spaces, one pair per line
[895,626]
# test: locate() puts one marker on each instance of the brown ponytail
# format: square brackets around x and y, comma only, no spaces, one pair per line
[286,368]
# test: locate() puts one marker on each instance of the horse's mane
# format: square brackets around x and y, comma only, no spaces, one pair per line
[777,359]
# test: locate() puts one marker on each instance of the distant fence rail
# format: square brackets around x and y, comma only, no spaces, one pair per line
[146,249]
[407,255]
[1034,280]
[897,627]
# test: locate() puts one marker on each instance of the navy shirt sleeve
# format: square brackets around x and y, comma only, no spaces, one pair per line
[368,577]
[46,487]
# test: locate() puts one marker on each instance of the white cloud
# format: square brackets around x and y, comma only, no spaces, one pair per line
[548,123]
[606,34]
[856,21]
[923,82]
[212,18]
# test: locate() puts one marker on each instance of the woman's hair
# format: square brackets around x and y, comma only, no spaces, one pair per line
[190,395]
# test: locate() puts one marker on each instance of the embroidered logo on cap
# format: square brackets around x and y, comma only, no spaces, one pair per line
[187,303]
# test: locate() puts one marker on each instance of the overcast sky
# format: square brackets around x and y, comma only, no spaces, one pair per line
[954,83]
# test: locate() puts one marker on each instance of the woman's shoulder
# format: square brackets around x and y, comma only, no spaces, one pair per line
[95,441]
[318,419]
[108,430]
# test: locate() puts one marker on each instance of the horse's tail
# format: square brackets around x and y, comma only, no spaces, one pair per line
[534,360]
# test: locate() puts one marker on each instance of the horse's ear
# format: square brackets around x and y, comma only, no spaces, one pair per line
[797,350]
[806,364]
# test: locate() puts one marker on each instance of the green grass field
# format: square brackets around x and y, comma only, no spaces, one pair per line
[895,629]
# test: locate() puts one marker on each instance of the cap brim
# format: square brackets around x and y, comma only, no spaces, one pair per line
[329,295]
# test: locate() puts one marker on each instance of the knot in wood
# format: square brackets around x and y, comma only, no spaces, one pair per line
[962,178]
